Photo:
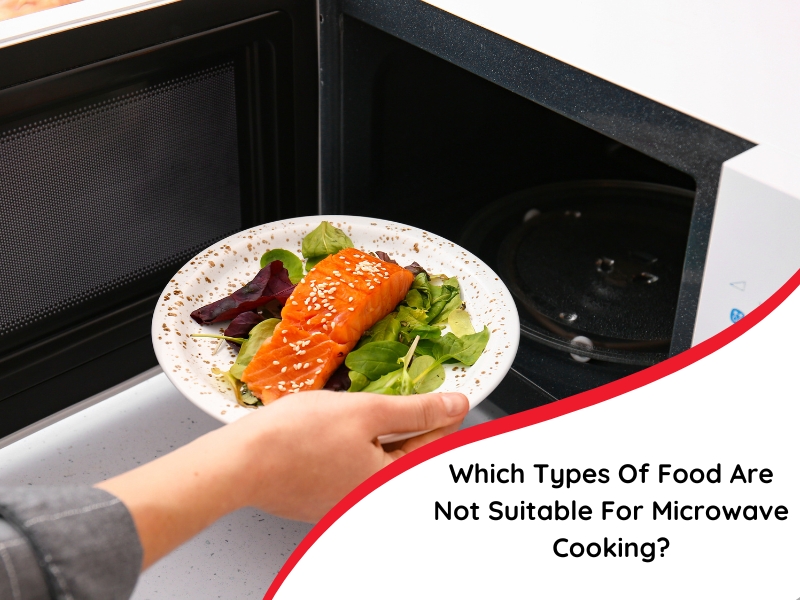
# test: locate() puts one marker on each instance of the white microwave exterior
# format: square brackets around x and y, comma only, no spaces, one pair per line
[754,246]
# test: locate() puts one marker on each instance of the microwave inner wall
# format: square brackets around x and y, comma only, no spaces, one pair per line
[428,143]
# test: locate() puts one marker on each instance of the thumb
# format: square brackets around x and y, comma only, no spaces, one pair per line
[419,412]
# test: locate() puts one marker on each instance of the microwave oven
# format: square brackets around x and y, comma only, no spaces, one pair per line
[131,142]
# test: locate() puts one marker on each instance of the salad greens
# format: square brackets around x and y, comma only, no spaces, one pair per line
[250,345]
[290,262]
[398,382]
[387,329]
[322,242]
[376,359]
[404,352]
[243,395]
[426,373]
[358,381]
[451,349]
[460,323]
[258,335]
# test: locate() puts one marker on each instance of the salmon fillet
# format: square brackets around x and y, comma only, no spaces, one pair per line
[330,309]
[292,360]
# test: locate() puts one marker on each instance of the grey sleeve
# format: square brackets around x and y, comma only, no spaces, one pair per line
[20,575]
[66,543]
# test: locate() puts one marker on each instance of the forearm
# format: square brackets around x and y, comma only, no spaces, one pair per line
[178,495]
[294,458]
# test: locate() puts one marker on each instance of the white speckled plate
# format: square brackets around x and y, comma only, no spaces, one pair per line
[228,265]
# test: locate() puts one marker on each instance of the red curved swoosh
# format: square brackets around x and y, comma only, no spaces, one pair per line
[531,417]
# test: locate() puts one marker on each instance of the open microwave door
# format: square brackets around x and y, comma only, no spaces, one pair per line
[127,146]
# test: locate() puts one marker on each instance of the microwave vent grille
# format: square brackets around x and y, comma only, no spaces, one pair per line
[106,194]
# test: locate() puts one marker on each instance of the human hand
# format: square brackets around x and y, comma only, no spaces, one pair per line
[308,451]
[296,458]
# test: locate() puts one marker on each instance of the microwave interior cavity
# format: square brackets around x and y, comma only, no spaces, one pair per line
[588,233]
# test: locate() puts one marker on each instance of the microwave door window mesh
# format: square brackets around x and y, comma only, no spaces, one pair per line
[108,194]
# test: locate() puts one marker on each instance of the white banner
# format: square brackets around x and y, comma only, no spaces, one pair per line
[686,487]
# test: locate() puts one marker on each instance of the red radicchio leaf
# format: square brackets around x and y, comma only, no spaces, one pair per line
[415,268]
[240,327]
[270,310]
[385,257]
[271,282]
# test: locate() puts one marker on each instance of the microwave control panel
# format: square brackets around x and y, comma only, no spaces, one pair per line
[754,246]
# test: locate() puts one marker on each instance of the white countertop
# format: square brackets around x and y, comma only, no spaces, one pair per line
[235,558]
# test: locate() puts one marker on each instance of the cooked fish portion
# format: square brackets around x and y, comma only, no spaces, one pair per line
[336,302]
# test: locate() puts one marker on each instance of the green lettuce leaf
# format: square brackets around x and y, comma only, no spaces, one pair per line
[449,348]
[358,381]
[376,359]
[460,323]
[322,242]
[388,384]
[426,373]
[387,329]
[258,335]
[446,299]
[290,262]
